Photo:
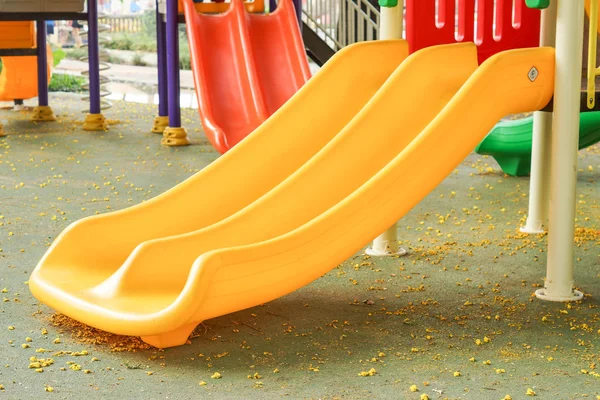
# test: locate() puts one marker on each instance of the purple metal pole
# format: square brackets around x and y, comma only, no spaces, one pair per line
[298,7]
[94,57]
[161,41]
[173,63]
[42,64]
[272,5]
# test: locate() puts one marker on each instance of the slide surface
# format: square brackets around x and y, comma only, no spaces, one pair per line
[18,78]
[367,175]
[342,87]
[510,142]
[245,67]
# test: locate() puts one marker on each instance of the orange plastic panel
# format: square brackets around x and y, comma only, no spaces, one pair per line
[255,6]
[17,35]
[18,79]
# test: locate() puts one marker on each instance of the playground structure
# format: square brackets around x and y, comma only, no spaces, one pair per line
[274,236]
[40,11]
[173,265]
[511,143]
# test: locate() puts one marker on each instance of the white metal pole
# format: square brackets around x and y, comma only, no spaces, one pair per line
[391,22]
[390,27]
[539,184]
[565,140]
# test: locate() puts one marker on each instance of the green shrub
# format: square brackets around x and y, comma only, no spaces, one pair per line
[66,83]
[120,42]
[138,60]
[149,23]
[58,54]
[184,61]
[76,54]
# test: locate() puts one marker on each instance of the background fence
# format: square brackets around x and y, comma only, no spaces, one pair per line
[124,23]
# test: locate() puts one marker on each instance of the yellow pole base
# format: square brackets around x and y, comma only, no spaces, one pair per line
[43,114]
[2,133]
[175,137]
[160,123]
[95,122]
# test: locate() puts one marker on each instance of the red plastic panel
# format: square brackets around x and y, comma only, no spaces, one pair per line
[494,25]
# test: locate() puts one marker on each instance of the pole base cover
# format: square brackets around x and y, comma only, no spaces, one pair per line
[542,295]
[2,133]
[160,123]
[43,114]
[533,227]
[95,122]
[384,253]
[176,136]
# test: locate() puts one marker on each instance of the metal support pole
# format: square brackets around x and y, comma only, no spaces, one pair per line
[174,134]
[565,140]
[161,44]
[391,24]
[162,120]
[42,64]
[539,183]
[94,121]
[173,64]
[94,57]
[42,112]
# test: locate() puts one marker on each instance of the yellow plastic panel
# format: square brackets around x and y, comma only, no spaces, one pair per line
[17,35]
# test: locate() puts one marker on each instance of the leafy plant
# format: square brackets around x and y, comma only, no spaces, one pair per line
[66,83]
[138,60]
[76,54]
[149,23]
[58,55]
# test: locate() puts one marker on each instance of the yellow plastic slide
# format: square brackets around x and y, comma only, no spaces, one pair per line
[425,119]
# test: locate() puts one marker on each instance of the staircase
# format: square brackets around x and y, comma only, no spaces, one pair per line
[330,25]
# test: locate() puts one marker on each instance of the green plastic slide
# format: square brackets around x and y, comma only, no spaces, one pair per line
[510,142]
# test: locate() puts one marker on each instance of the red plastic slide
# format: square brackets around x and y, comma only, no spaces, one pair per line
[245,67]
